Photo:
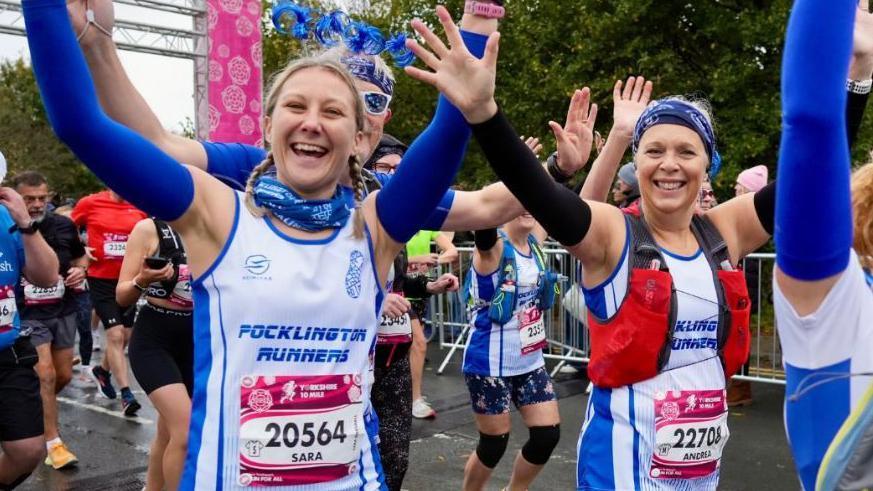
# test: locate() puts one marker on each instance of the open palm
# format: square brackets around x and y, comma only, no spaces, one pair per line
[465,80]
[629,103]
[575,138]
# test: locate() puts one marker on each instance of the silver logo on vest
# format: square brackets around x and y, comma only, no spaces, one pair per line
[257,265]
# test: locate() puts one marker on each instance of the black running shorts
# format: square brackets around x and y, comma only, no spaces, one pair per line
[103,300]
[162,348]
[20,403]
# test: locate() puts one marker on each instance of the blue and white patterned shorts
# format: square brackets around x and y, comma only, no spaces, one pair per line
[492,395]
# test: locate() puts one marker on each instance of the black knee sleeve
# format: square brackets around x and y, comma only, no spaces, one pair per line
[543,439]
[491,448]
[14,484]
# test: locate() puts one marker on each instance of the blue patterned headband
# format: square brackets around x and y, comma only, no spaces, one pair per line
[364,68]
[674,111]
[334,27]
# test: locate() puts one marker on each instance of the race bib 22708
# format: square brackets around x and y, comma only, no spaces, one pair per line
[690,433]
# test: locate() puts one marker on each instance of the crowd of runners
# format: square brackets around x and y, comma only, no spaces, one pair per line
[328,231]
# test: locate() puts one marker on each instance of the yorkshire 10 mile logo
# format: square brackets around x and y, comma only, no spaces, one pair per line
[257,266]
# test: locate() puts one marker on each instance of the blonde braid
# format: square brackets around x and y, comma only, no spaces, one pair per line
[257,172]
[356,175]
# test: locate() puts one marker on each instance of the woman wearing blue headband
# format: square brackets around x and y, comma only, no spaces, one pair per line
[669,312]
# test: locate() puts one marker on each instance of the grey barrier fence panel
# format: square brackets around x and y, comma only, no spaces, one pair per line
[566,331]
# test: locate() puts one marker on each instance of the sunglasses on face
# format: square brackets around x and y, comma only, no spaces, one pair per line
[706,193]
[375,103]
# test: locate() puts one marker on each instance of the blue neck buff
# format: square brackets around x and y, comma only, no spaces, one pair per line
[303,214]
[674,111]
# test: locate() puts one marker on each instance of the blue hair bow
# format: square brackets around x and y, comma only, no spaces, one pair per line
[396,47]
[300,18]
[329,28]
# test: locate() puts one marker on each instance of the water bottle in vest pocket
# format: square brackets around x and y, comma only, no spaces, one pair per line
[548,289]
[503,304]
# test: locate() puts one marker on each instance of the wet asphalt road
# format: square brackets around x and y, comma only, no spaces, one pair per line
[113,450]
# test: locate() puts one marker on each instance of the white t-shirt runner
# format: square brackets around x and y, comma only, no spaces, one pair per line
[826,346]
[284,334]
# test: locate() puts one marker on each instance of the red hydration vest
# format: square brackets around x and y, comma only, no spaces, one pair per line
[634,344]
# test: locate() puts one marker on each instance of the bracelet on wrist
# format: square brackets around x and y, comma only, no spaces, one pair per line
[859,87]
[137,285]
[555,171]
[490,10]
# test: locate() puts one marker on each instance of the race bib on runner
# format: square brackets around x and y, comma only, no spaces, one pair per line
[299,430]
[37,295]
[532,330]
[690,433]
[394,330]
[181,294]
[114,245]
[8,308]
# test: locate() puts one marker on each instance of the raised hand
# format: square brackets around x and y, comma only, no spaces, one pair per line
[15,204]
[533,144]
[465,80]
[90,27]
[630,100]
[575,138]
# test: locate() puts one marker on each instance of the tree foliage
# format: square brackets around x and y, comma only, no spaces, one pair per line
[27,139]
[725,51]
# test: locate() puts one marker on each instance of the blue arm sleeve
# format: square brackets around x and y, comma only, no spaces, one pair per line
[232,162]
[436,219]
[813,203]
[429,165]
[125,161]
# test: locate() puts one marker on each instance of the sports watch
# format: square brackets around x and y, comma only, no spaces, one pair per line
[484,9]
[31,229]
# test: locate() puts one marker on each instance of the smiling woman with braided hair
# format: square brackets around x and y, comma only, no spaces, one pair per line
[310,260]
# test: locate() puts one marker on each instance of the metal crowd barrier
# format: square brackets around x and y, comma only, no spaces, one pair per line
[567,333]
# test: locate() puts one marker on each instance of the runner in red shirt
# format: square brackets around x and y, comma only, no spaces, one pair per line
[109,220]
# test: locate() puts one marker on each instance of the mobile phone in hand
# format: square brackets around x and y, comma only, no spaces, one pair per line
[156,262]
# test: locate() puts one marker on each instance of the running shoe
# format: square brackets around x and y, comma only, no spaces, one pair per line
[60,457]
[103,379]
[422,410]
[129,404]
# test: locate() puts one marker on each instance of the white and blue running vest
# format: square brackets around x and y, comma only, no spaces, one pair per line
[617,440]
[494,350]
[831,348]
[277,310]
